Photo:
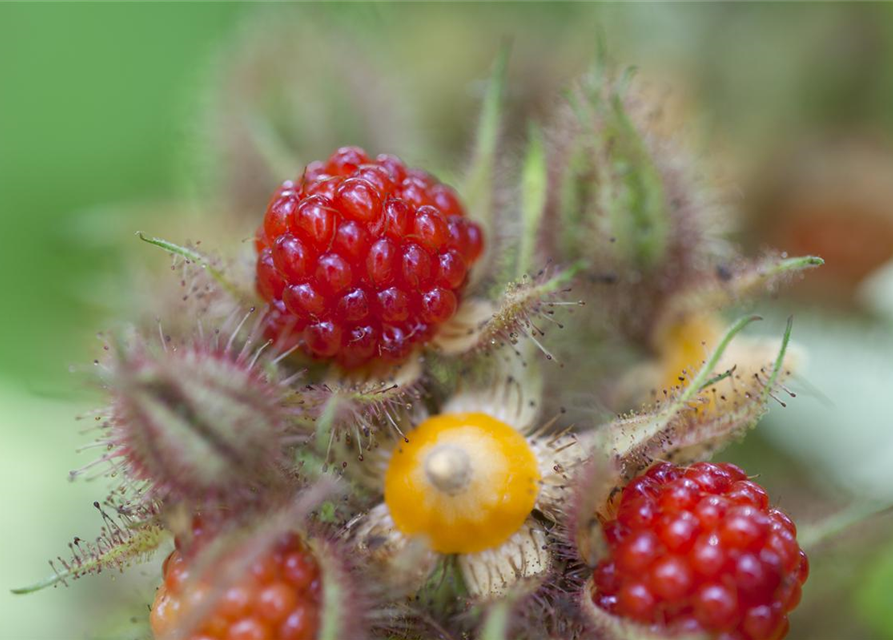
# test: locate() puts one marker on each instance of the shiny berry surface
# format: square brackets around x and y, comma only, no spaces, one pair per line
[699,549]
[363,258]
[277,600]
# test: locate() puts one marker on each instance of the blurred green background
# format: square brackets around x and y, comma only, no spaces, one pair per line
[118,117]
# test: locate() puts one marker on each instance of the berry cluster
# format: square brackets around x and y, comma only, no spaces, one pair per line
[279,598]
[698,550]
[362,258]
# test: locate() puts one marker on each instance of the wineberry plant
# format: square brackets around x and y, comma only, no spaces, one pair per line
[365,421]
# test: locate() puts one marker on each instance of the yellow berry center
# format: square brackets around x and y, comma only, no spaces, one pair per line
[464,481]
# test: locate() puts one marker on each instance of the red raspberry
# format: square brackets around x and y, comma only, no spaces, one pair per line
[698,549]
[363,259]
[279,599]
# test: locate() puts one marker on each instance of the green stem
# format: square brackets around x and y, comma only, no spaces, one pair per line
[779,360]
[497,622]
[839,522]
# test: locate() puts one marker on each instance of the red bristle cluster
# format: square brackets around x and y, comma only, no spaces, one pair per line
[362,258]
[278,599]
[699,550]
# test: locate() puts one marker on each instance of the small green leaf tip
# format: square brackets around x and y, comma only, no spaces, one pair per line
[193,256]
[795,264]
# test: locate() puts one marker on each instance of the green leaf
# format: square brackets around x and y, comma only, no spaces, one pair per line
[873,594]
[477,191]
[534,179]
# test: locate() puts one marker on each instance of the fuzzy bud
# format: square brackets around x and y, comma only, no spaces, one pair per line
[197,424]
[611,192]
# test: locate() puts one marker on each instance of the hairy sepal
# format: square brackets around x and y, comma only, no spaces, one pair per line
[125,539]
[611,186]
[594,484]
[611,627]
[199,421]
[481,326]
[693,423]
[729,285]
[352,410]
[534,179]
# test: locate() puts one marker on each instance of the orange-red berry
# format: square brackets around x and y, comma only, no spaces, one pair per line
[362,259]
[278,599]
[698,550]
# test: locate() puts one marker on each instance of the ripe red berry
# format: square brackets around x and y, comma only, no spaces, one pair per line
[279,598]
[698,550]
[362,258]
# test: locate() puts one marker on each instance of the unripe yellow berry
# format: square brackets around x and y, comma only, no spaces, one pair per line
[464,481]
